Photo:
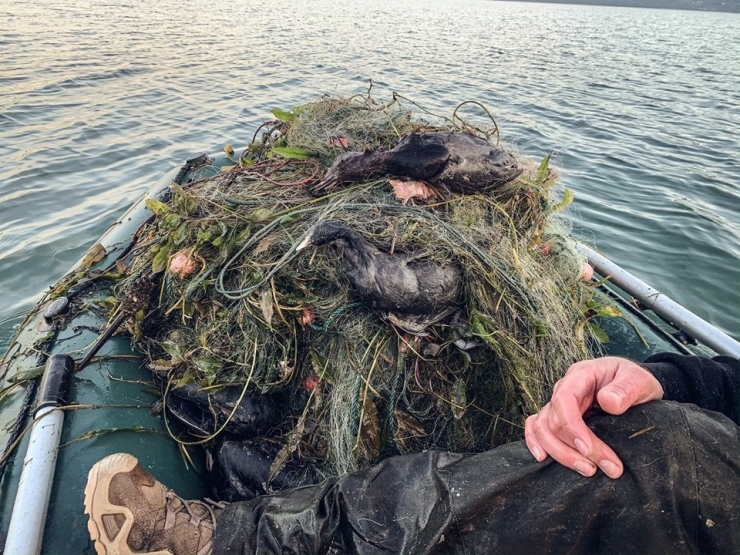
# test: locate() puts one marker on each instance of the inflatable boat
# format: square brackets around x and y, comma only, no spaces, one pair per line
[71,394]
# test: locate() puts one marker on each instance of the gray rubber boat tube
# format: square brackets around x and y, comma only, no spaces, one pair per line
[26,530]
[662,305]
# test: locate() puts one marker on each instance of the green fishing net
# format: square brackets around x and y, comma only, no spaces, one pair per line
[232,302]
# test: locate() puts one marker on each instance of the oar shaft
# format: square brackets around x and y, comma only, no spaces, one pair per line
[26,530]
[662,305]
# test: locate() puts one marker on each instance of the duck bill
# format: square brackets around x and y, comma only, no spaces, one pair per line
[326,185]
[511,174]
[305,243]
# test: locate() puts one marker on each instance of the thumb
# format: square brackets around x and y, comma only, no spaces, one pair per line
[616,397]
[628,389]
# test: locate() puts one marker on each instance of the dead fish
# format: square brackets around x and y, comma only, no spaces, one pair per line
[460,162]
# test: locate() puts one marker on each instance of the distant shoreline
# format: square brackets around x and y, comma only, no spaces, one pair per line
[726,6]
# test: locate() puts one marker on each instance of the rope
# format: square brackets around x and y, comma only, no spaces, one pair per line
[238,294]
[333,316]
[354,411]
[18,427]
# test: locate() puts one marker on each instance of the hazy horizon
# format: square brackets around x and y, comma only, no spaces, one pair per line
[725,6]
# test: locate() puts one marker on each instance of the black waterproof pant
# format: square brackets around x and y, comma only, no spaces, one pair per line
[680,493]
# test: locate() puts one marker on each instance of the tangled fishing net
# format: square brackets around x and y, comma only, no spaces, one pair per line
[233,303]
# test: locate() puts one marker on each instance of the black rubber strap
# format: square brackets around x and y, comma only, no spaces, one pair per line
[55,382]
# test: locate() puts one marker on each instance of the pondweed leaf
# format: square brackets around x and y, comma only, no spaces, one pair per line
[157,207]
[609,312]
[565,202]
[204,236]
[291,153]
[369,431]
[172,221]
[458,398]
[208,365]
[96,253]
[159,262]
[268,309]
[543,170]
[181,234]
[597,333]
[282,115]
[261,215]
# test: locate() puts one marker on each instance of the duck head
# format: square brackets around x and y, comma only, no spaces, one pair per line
[474,165]
[505,166]
[352,166]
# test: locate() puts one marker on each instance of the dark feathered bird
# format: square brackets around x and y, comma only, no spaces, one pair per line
[394,282]
[463,163]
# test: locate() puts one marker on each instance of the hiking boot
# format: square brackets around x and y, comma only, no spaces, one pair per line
[132,513]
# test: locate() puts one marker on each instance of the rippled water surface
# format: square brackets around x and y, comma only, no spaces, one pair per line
[642,107]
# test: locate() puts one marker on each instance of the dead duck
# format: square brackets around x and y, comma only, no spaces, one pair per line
[400,283]
[204,413]
[461,162]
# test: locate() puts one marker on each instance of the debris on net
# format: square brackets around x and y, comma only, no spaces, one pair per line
[236,302]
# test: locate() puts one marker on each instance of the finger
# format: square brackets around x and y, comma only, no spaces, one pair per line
[531,440]
[573,395]
[565,429]
[557,449]
[599,453]
[631,386]
[606,459]
[567,424]
[566,414]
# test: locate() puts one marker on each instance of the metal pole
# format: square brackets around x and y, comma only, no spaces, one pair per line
[662,305]
[26,530]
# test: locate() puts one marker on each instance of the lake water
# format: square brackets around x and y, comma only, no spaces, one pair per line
[642,108]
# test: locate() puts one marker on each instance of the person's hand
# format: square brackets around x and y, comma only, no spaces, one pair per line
[610,383]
